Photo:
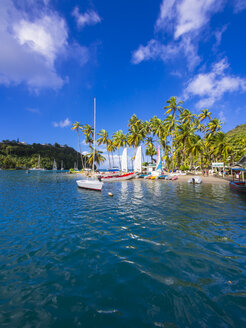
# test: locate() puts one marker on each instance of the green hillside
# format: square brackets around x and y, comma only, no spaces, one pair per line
[237,138]
[14,155]
[238,132]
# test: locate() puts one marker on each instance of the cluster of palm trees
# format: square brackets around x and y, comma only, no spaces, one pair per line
[187,140]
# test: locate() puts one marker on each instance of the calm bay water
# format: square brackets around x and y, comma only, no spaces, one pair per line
[157,254]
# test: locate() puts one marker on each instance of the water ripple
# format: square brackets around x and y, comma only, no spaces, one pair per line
[157,254]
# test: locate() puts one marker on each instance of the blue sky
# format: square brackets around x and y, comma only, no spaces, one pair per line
[56,55]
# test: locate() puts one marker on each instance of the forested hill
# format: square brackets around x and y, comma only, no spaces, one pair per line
[238,131]
[14,154]
[237,137]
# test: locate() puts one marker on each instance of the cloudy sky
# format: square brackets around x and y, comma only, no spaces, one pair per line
[56,55]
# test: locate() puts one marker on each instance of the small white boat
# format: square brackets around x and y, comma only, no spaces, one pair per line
[195,180]
[92,184]
[119,177]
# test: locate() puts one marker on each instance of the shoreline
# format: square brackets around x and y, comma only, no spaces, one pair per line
[208,179]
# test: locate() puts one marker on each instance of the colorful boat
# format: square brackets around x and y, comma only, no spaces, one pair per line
[158,167]
[118,177]
[162,176]
[238,185]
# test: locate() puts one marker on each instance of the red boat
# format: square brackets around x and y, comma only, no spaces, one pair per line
[118,177]
[238,185]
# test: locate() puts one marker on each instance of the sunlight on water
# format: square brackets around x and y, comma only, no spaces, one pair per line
[157,254]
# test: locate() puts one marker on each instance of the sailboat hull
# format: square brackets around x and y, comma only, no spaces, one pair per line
[122,177]
[90,184]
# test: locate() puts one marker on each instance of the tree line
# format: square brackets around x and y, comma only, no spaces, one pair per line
[14,155]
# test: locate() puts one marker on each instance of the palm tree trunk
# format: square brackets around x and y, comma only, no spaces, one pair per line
[109,160]
[113,159]
[80,151]
[172,152]
[119,158]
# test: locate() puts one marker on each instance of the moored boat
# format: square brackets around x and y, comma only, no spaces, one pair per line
[195,180]
[93,184]
[118,177]
[238,185]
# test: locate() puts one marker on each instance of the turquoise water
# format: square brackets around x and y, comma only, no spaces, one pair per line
[157,254]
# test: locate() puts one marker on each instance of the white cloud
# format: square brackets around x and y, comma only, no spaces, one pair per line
[211,87]
[33,110]
[29,48]
[79,53]
[90,17]
[222,116]
[182,21]
[218,34]
[239,5]
[33,38]
[46,36]
[156,50]
[83,142]
[62,124]
[192,15]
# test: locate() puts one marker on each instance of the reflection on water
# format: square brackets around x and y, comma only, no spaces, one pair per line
[157,254]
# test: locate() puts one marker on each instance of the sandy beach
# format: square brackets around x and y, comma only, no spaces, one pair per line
[185,178]
[209,179]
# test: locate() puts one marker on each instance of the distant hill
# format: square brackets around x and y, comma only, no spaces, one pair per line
[14,155]
[237,138]
[238,131]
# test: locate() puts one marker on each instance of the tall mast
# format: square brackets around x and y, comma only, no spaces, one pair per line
[94,143]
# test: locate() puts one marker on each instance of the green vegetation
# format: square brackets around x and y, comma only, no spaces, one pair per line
[14,155]
[187,139]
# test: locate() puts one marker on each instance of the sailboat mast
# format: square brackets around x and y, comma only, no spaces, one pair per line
[94,142]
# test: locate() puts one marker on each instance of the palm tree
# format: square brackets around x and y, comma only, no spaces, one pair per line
[151,151]
[88,131]
[204,114]
[170,122]
[173,106]
[170,127]
[77,127]
[213,126]
[183,137]
[148,144]
[220,147]
[111,148]
[119,139]
[187,117]
[133,120]
[157,126]
[98,157]
[135,136]
[104,140]
[196,147]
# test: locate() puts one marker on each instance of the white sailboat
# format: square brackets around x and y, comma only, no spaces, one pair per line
[37,168]
[75,166]
[62,166]
[54,166]
[92,183]
[121,176]
[124,161]
[138,160]
[158,167]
